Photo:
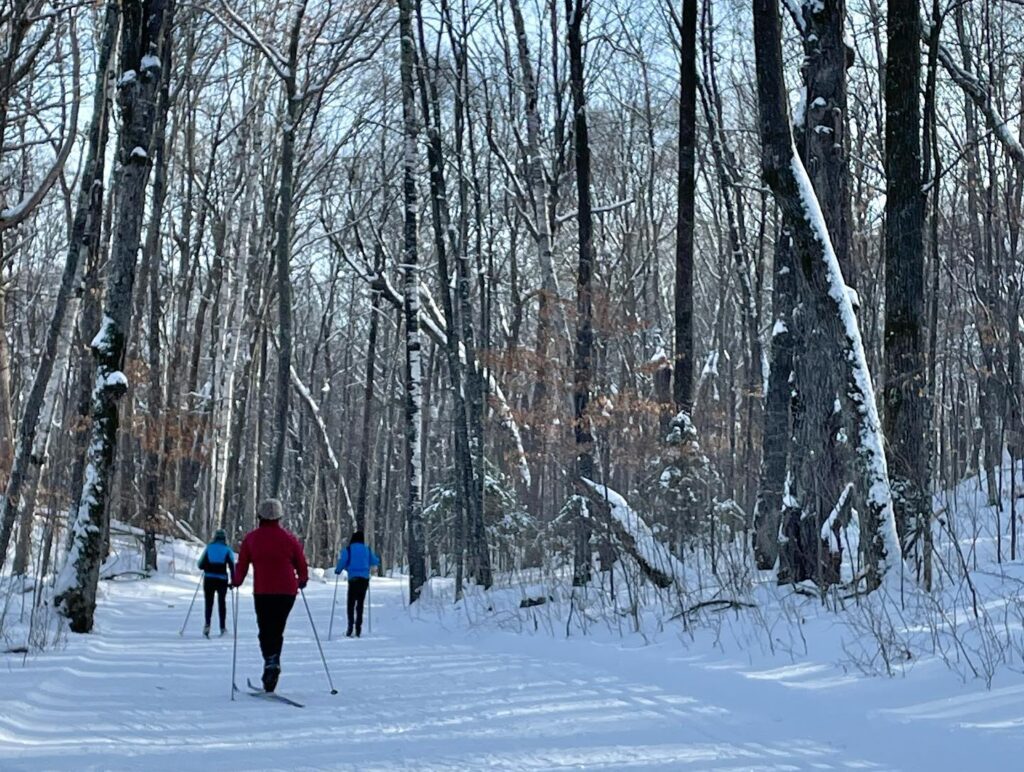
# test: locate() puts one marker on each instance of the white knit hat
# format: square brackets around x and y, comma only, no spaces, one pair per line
[270,509]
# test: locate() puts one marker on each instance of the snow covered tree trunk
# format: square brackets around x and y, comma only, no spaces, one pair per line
[583,366]
[413,362]
[142,41]
[819,457]
[88,213]
[786,176]
[682,371]
[907,412]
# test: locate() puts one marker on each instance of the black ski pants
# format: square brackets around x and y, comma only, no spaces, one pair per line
[271,616]
[357,588]
[219,587]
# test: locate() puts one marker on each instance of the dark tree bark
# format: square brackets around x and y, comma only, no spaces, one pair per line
[142,40]
[283,251]
[682,371]
[154,442]
[907,413]
[777,425]
[364,443]
[576,11]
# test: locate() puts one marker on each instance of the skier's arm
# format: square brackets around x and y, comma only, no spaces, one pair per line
[238,574]
[374,558]
[301,567]
[342,561]
[202,560]
[231,564]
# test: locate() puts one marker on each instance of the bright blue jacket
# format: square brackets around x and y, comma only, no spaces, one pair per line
[216,560]
[356,558]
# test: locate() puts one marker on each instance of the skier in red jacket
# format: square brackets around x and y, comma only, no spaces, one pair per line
[280,572]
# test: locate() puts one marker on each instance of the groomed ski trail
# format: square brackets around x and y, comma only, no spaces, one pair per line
[414,696]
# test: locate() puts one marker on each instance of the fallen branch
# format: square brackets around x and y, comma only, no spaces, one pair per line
[721,604]
[628,529]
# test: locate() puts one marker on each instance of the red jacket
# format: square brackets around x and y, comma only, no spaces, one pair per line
[276,557]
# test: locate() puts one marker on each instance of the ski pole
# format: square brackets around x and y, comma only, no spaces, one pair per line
[234,648]
[334,604]
[369,608]
[317,637]
[190,605]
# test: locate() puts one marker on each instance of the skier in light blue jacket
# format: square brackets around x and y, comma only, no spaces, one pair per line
[217,562]
[357,559]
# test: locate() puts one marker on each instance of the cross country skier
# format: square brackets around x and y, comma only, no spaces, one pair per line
[357,559]
[280,572]
[217,563]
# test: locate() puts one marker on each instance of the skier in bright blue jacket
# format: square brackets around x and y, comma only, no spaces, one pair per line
[217,562]
[357,559]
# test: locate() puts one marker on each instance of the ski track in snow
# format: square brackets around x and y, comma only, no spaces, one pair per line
[415,696]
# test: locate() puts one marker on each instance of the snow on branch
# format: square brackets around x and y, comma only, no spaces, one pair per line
[248,36]
[14,215]
[596,210]
[634,535]
[976,89]
[433,322]
[325,439]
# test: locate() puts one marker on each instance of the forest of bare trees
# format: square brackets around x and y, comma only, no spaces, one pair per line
[466,274]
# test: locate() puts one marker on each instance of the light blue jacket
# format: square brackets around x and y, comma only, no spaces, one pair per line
[217,560]
[357,559]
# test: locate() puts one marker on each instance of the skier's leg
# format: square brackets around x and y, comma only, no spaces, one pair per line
[279,608]
[263,621]
[222,605]
[284,609]
[208,590]
[350,606]
[359,589]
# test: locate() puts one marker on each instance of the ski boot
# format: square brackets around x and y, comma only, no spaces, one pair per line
[271,672]
[223,632]
[206,631]
[348,633]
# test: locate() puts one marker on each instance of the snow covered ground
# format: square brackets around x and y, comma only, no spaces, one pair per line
[424,693]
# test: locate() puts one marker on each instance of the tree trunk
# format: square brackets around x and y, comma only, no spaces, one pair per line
[906,412]
[777,435]
[153,438]
[682,371]
[283,253]
[583,360]
[456,349]
[785,175]
[142,42]
[413,354]
[84,233]
[817,456]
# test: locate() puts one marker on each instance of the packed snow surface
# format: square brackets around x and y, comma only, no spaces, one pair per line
[421,692]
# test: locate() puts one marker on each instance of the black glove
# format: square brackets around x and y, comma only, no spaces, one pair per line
[302,584]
